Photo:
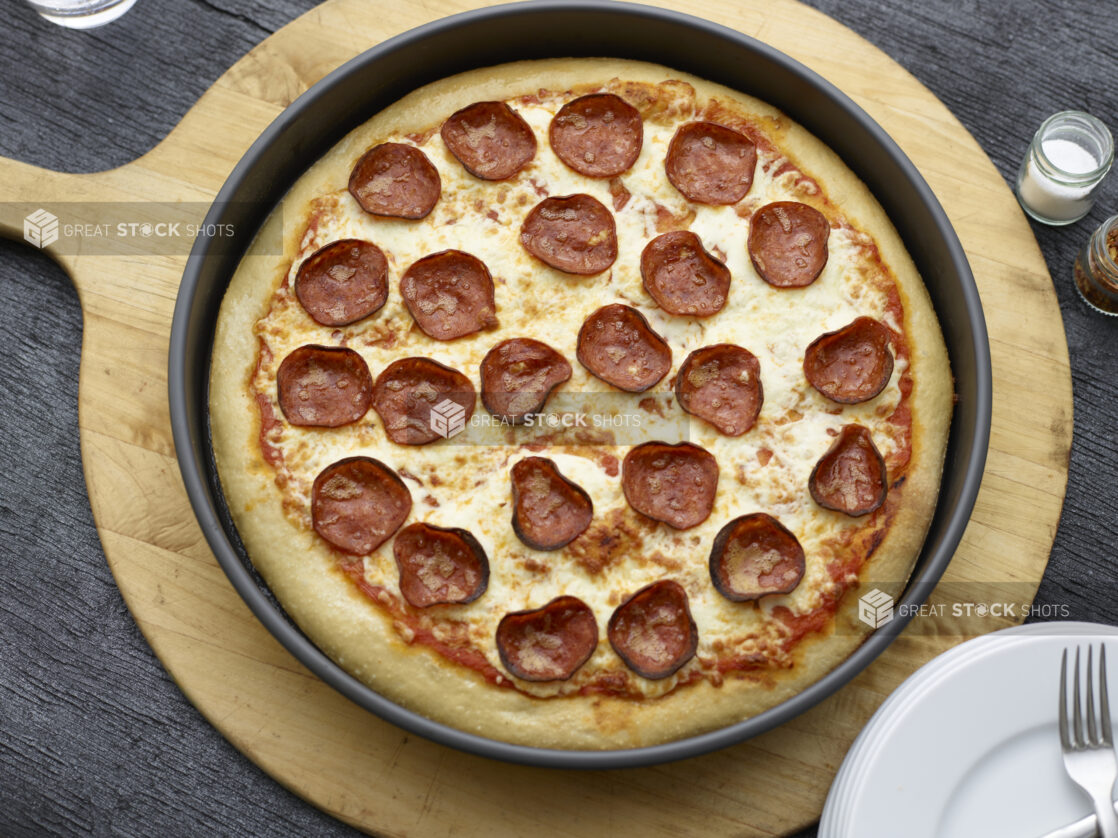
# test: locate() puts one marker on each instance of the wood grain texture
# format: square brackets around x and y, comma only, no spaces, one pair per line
[95,672]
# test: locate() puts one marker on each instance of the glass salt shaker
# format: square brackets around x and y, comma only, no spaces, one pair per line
[1096,268]
[1068,158]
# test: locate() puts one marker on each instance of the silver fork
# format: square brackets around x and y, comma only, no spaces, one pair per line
[1089,748]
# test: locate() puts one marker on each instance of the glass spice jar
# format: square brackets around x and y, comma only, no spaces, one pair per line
[1096,269]
[1067,159]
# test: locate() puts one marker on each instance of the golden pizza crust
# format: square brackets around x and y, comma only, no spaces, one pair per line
[305,577]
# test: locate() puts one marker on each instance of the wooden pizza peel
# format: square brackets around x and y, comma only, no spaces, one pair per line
[370,774]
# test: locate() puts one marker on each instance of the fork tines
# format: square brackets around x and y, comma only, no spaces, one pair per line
[1097,733]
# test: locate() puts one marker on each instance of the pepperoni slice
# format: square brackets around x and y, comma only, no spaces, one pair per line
[851,364]
[653,631]
[440,566]
[518,375]
[396,180]
[575,234]
[851,477]
[599,135]
[450,295]
[549,511]
[788,243]
[490,139]
[324,386]
[343,282]
[548,643]
[710,163]
[675,484]
[357,503]
[682,277]
[618,346]
[721,384]
[755,555]
[420,400]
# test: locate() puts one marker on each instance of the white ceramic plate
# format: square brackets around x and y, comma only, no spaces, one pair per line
[968,747]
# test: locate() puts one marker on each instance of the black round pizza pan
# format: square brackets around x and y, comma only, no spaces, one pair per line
[363,86]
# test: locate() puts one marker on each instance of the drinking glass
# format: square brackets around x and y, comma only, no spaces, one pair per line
[81,14]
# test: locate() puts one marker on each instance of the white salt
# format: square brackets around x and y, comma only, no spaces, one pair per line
[1068,156]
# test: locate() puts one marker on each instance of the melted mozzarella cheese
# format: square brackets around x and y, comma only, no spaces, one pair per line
[464,481]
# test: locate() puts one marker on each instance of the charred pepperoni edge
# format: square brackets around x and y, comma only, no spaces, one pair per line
[481,282]
[713,130]
[559,370]
[516,620]
[859,436]
[854,333]
[575,495]
[758,521]
[586,204]
[627,122]
[418,163]
[424,530]
[307,279]
[658,346]
[754,244]
[354,365]
[647,450]
[684,390]
[669,244]
[665,587]
[389,480]
[390,373]
[508,121]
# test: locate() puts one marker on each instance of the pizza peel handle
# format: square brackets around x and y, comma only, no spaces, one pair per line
[95,224]
[27,189]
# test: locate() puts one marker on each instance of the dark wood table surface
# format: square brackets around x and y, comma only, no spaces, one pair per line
[95,738]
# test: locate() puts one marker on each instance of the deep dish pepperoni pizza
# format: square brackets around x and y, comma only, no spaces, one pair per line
[583,403]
